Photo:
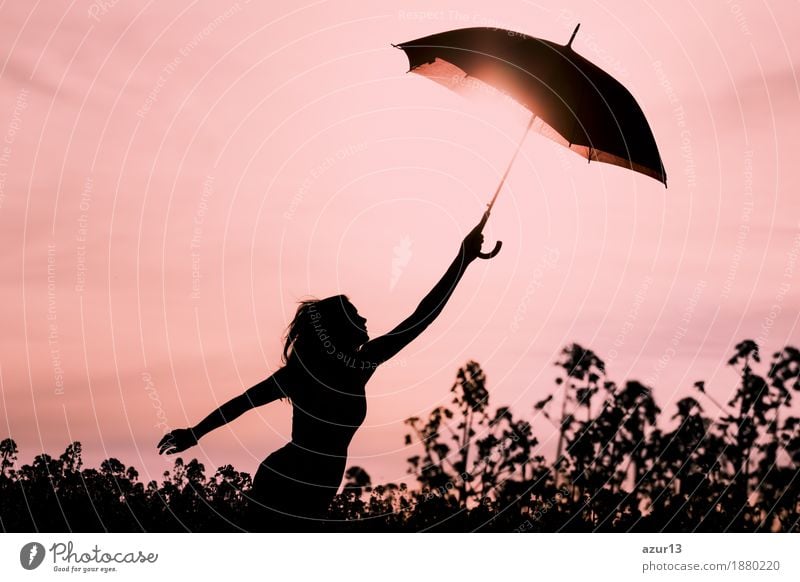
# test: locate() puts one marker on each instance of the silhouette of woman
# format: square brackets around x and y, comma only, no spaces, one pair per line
[328,359]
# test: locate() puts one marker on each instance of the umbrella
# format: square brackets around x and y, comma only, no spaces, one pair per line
[572,100]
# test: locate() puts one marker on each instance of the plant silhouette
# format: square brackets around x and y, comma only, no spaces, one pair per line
[625,466]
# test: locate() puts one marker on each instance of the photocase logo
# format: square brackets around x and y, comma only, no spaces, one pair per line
[31,555]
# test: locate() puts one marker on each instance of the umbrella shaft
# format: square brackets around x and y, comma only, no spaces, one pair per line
[511,163]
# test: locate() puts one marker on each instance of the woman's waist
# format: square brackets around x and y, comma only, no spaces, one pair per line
[323,437]
[320,451]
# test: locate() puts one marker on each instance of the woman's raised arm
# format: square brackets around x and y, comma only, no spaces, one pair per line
[386,346]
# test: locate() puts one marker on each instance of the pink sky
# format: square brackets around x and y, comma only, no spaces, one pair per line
[278,151]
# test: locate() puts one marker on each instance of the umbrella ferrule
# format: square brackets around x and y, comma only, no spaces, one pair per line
[574,32]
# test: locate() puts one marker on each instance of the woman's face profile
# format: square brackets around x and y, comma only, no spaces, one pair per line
[354,326]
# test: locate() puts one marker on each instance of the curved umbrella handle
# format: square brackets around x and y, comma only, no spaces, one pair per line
[492,253]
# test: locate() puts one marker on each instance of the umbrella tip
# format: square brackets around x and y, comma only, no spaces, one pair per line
[574,32]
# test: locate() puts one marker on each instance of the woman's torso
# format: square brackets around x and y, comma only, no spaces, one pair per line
[328,408]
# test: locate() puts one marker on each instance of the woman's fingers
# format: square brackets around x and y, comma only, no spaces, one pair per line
[166,443]
[175,442]
[483,220]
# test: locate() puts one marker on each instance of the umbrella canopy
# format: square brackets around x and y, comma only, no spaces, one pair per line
[574,102]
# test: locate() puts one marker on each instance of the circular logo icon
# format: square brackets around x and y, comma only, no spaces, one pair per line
[31,555]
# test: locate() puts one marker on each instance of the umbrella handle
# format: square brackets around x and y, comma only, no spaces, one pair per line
[492,253]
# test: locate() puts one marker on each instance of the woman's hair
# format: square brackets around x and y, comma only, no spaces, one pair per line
[311,333]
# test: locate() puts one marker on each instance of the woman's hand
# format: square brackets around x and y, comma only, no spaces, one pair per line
[471,245]
[176,441]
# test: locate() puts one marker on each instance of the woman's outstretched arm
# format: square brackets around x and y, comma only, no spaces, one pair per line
[262,393]
[386,346]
